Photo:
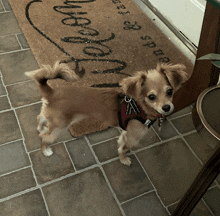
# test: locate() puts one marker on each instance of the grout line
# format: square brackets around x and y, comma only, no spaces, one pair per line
[173,203]
[45,202]
[14,51]
[27,105]
[6,110]
[51,145]
[145,193]
[3,96]
[156,133]
[14,171]
[182,137]
[12,34]
[217,183]
[207,207]
[2,83]
[69,156]
[106,179]
[48,183]
[180,116]
[68,175]
[101,142]
[21,139]
[16,35]
[3,6]
[161,142]
[18,194]
[34,176]
[151,182]
[29,80]
[15,108]
[200,161]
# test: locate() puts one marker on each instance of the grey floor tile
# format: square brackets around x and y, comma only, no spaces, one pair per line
[1,8]
[4,104]
[171,167]
[106,150]
[9,128]
[185,110]
[29,204]
[80,153]
[28,120]
[146,205]
[203,149]
[6,4]
[85,194]
[8,24]
[212,199]
[23,93]
[16,182]
[50,168]
[127,182]
[218,179]
[167,131]
[103,135]
[14,65]
[149,139]
[23,41]
[9,43]
[200,210]
[13,157]
[2,88]
[184,124]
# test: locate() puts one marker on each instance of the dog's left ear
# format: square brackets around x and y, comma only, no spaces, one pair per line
[132,86]
[175,74]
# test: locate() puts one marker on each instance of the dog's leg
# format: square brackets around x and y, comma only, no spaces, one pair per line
[48,137]
[41,124]
[122,149]
[51,132]
[135,131]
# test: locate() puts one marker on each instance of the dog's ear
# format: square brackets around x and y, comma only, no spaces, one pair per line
[132,86]
[175,74]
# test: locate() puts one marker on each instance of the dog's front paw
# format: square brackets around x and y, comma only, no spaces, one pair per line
[42,130]
[125,160]
[48,151]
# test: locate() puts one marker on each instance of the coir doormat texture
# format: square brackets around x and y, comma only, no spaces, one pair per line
[102,40]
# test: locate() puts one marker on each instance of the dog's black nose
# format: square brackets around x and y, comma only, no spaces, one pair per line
[166,108]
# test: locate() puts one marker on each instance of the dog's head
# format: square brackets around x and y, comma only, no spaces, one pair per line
[157,86]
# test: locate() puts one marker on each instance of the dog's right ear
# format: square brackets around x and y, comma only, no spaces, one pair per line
[132,86]
[175,74]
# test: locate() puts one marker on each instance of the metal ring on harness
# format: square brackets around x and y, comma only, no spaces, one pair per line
[128,99]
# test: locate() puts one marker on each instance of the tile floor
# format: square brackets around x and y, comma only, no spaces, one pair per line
[84,176]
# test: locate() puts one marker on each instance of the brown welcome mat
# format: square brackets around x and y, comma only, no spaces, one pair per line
[103,40]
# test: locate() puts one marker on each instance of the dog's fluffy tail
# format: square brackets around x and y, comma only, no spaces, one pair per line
[42,75]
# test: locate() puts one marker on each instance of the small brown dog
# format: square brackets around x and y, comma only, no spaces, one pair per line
[147,94]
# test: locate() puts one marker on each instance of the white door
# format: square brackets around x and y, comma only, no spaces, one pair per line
[185,15]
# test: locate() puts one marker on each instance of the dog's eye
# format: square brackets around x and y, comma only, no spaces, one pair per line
[152,97]
[170,92]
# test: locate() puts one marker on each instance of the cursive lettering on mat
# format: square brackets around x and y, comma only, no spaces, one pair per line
[94,50]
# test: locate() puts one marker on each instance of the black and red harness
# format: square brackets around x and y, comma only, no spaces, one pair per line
[128,110]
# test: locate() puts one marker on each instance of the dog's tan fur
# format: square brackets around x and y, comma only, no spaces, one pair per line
[69,104]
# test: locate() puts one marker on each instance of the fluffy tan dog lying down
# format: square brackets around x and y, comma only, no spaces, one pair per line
[144,97]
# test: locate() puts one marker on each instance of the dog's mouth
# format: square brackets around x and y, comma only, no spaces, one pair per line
[165,110]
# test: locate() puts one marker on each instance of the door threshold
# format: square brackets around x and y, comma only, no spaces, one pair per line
[177,37]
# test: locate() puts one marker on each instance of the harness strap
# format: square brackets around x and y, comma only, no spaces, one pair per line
[128,110]
[131,106]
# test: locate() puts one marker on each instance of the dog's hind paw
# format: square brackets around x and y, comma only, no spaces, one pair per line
[126,161]
[48,152]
